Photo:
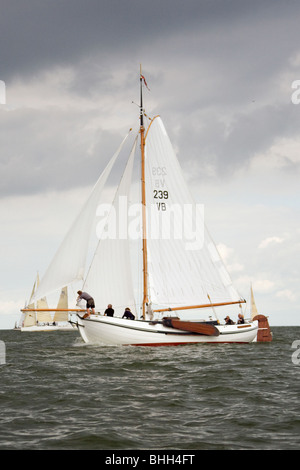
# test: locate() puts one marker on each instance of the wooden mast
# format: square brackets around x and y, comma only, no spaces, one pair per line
[145,259]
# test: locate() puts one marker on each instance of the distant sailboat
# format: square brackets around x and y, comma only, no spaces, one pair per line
[40,317]
[253,309]
[180,277]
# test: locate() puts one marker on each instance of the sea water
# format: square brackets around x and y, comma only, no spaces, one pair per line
[58,393]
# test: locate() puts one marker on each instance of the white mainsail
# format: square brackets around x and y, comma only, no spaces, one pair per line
[68,265]
[184,264]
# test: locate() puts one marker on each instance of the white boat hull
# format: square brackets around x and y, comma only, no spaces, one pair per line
[117,331]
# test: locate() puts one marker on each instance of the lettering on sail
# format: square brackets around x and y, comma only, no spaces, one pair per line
[160,194]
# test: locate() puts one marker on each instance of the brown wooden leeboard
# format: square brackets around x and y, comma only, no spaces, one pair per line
[264,333]
[200,328]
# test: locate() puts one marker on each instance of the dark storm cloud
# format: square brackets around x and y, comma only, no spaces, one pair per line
[206,61]
[40,33]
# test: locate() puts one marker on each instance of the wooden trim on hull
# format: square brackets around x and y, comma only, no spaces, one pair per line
[156,345]
[185,344]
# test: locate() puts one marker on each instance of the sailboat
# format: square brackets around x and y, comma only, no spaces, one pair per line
[40,317]
[155,258]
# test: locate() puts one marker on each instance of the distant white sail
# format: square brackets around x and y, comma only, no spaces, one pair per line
[62,304]
[30,318]
[253,309]
[43,316]
[35,285]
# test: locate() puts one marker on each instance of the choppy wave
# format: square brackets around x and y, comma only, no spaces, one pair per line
[57,393]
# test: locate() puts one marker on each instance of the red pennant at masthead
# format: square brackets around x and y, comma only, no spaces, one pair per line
[143,78]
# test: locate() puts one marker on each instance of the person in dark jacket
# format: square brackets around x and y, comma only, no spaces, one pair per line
[128,314]
[228,321]
[109,311]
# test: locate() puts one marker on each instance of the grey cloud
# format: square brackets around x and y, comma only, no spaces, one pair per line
[222,151]
[36,34]
[51,150]
[206,62]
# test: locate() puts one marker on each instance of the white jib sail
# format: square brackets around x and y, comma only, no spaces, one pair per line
[183,263]
[68,265]
[109,278]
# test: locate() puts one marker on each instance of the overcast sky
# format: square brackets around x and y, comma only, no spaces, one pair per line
[220,75]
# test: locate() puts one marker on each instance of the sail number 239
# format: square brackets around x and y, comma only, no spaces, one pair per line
[159,194]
